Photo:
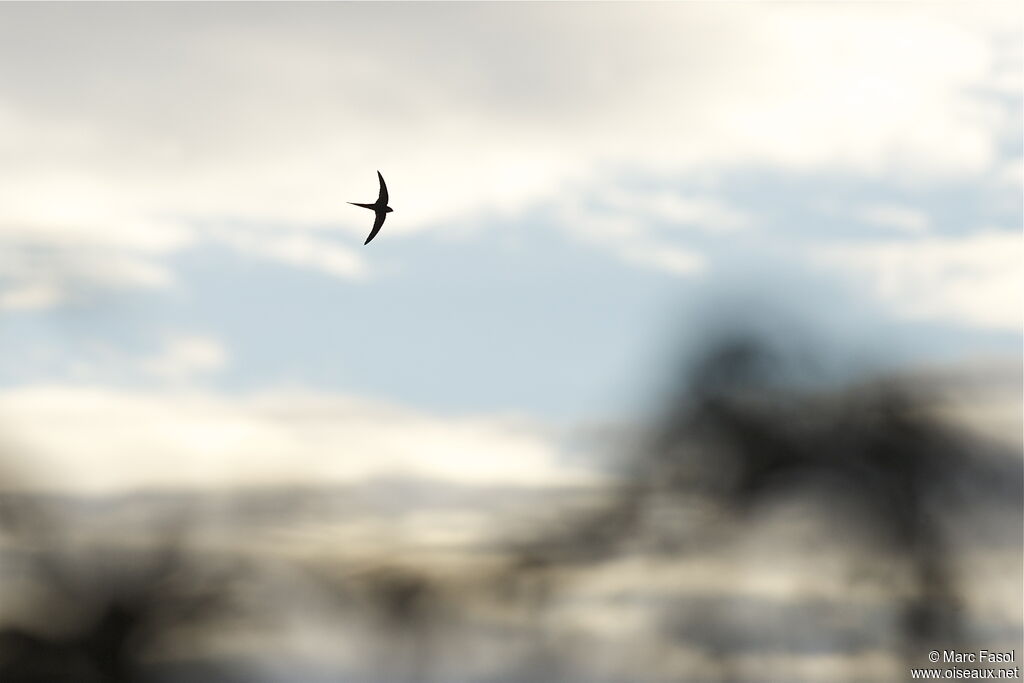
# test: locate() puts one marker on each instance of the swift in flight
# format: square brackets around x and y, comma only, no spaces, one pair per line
[380,209]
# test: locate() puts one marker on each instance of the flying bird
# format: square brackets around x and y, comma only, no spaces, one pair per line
[380,209]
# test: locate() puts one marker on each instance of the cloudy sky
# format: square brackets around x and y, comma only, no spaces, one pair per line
[581,191]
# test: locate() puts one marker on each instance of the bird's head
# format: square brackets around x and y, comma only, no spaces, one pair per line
[388,210]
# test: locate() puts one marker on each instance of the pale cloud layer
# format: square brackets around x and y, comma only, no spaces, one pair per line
[40,275]
[177,360]
[978,278]
[124,129]
[301,249]
[548,165]
[91,438]
[97,439]
[185,357]
[896,217]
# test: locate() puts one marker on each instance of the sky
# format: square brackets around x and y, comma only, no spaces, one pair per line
[582,193]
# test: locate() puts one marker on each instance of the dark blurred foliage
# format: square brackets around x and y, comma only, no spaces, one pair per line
[101,607]
[750,426]
[743,431]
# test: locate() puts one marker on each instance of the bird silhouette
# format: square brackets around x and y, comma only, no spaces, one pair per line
[380,208]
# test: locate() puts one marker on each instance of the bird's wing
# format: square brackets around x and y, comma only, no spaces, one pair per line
[378,221]
[382,199]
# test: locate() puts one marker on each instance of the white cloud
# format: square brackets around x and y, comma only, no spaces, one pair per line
[1011,175]
[30,296]
[629,237]
[185,357]
[976,280]
[89,438]
[903,218]
[281,114]
[299,249]
[180,360]
[623,223]
[37,275]
[672,259]
[685,212]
